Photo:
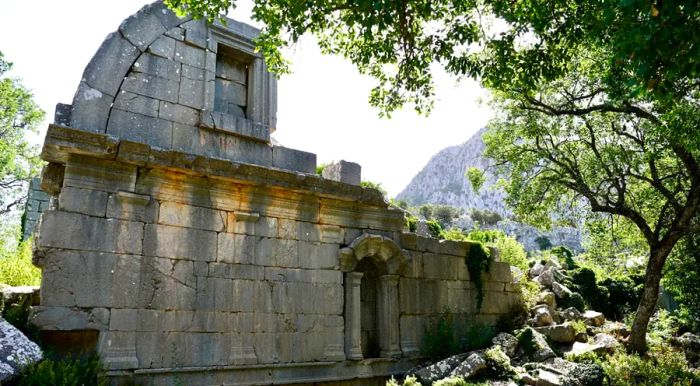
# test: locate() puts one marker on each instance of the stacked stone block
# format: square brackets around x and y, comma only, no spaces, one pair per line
[37,202]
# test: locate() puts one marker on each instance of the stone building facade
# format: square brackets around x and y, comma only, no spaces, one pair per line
[185,247]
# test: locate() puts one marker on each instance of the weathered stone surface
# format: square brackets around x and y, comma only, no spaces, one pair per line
[127,101]
[157,66]
[561,291]
[16,350]
[90,109]
[507,342]
[546,278]
[89,279]
[560,333]
[190,55]
[438,370]
[141,128]
[542,316]
[164,47]
[605,342]
[547,298]
[188,216]
[548,378]
[534,345]
[109,65]
[471,366]
[690,343]
[593,318]
[343,171]
[62,114]
[571,313]
[178,113]
[141,29]
[62,318]
[90,202]
[179,243]
[81,232]
[191,93]
[296,160]
[152,86]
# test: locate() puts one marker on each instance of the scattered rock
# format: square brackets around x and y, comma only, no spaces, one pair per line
[560,333]
[507,342]
[542,316]
[605,342]
[438,370]
[527,379]
[581,337]
[546,278]
[594,318]
[473,365]
[561,291]
[571,313]
[536,270]
[547,378]
[16,350]
[691,346]
[547,298]
[534,345]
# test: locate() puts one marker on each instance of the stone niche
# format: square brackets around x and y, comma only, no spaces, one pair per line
[185,248]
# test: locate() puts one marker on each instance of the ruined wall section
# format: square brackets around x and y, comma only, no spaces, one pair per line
[437,281]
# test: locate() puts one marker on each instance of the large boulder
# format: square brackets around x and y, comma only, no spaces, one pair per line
[438,370]
[16,350]
[548,298]
[691,346]
[546,278]
[507,342]
[571,313]
[560,333]
[473,365]
[605,342]
[533,345]
[542,316]
[536,270]
[561,291]
[594,318]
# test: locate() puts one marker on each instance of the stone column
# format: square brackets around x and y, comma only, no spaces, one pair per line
[353,334]
[388,316]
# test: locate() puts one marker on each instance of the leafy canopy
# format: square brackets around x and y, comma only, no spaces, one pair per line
[18,116]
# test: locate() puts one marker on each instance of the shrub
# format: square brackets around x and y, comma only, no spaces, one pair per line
[16,268]
[662,366]
[319,169]
[583,281]
[477,335]
[498,363]
[511,252]
[454,234]
[566,255]
[579,326]
[585,375]
[409,381]
[543,243]
[411,223]
[451,381]
[374,185]
[83,370]
[574,300]
[440,339]
[624,295]
[445,214]
[486,217]
[434,228]
[426,211]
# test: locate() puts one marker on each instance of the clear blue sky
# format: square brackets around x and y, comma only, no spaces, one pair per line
[323,105]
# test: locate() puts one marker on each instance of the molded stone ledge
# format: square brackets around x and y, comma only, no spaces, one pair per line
[61,142]
[278,374]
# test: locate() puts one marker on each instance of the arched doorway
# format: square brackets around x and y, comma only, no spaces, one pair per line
[369,304]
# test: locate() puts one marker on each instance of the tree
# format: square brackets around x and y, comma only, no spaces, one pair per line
[615,85]
[18,116]
[572,141]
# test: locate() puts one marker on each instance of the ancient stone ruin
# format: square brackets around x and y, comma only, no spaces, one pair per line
[185,247]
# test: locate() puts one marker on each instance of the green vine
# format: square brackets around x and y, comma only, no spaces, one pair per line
[477,261]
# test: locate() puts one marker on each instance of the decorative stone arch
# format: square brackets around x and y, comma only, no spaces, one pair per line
[385,254]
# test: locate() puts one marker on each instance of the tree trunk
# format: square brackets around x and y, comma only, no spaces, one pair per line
[647,304]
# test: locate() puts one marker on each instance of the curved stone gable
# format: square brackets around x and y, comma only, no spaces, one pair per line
[156,81]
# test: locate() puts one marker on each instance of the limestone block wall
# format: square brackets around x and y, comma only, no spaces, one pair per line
[189,265]
[37,202]
[437,281]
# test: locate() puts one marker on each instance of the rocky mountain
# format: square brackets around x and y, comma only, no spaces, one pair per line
[443,181]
